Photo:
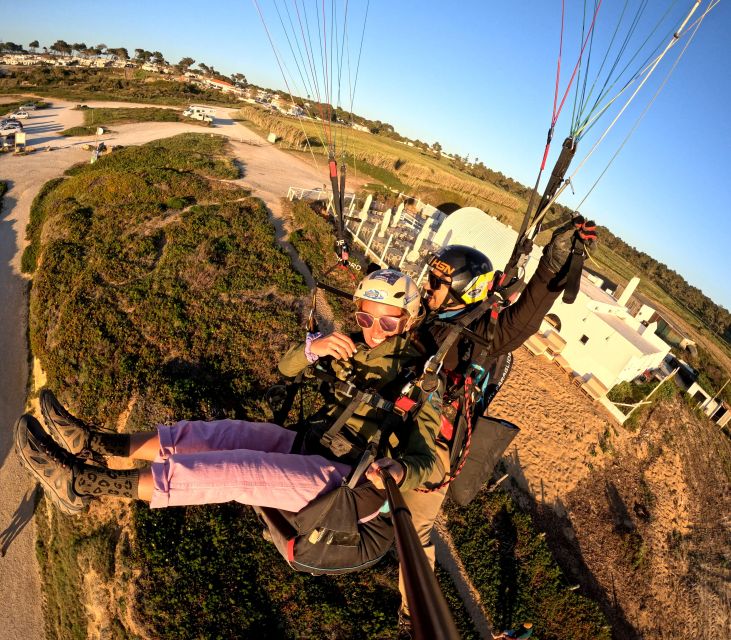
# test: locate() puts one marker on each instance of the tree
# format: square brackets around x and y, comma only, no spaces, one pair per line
[205,68]
[101,47]
[120,52]
[12,47]
[239,79]
[185,64]
[34,45]
[437,149]
[157,58]
[142,55]
[61,46]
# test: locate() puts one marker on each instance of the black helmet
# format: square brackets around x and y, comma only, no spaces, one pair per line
[470,270]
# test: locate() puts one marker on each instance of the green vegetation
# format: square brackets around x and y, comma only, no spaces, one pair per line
[314,241]
[10,107]
[459,612]
[35,225]
[104,117]
[160,293]
[513,570]
[412,168]
[632,393]
[81,84]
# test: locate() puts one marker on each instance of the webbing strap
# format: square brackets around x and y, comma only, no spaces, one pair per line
[459,327]
[573,276]
[328,437]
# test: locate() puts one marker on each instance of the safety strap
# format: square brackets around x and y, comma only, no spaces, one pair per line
[573,275]
[469,386]
[457,329]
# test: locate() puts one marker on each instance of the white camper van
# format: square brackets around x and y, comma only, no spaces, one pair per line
[199,112]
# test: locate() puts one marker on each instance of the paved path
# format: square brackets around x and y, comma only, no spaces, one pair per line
[267,170]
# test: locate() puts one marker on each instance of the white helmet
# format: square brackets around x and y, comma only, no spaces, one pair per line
[393,288]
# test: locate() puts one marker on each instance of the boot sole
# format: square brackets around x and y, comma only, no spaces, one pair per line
[62,505]
[49,403]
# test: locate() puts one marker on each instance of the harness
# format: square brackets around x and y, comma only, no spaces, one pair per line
[471,384]
[405,407]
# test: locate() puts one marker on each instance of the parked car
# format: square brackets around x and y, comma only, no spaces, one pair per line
[11,127]
[28,107]
[20,115]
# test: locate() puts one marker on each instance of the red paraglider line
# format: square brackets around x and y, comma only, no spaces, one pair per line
[578,62]
[557,112]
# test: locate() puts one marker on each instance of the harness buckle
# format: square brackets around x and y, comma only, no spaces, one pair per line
[350,389]
[429,366]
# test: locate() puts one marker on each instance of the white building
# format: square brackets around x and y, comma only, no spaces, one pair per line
[604,343]
[602,339]
[717,410]
[474,228]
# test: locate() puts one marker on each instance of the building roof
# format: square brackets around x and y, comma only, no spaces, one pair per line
[589,289]
[223,83]
[474,228]
[628,333]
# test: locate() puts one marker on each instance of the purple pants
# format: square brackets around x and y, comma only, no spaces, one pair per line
[249,462]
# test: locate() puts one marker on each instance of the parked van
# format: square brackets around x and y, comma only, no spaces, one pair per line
[198,112]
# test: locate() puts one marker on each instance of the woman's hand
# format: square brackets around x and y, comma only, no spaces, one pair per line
[396,469]
[336,344]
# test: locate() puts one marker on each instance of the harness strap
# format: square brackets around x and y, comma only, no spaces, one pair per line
[573,275]
[327,438]
[451,477]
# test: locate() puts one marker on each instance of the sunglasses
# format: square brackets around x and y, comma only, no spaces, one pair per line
[389,324]
[435,282]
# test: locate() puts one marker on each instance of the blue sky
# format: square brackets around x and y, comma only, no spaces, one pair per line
[478,77]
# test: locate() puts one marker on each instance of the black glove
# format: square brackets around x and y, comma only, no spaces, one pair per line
[573,237]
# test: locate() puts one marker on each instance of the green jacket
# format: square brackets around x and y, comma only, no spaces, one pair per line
[413,442]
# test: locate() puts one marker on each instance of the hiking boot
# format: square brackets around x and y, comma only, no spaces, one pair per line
[67,430]
[51,465]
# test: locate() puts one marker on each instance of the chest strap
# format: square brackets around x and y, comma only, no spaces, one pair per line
[458,328]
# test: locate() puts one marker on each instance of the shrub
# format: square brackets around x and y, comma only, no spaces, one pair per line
[79,131]
[513,570]
[177,314]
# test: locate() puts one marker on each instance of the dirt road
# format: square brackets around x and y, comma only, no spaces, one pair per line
[267,171]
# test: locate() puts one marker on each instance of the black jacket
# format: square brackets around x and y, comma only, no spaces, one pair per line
[515,324]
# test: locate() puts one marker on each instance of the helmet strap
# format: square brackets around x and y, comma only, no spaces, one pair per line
[451,300]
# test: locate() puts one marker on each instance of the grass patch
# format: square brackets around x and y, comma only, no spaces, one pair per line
[398,165]
[314,241]
[107,116]
[104,117]
[38,213]
[116,85]
[459,612]
[513,570]
[184,311]
[78,131]
[10,107]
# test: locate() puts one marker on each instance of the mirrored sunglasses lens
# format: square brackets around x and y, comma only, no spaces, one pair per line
[388,323]
[365,320]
